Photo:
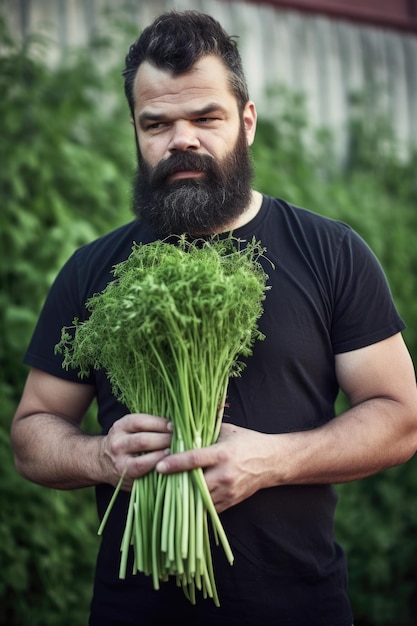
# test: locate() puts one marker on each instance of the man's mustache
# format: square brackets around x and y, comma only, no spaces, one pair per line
[180,162]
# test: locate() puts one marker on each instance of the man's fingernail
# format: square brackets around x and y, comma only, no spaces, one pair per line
[161,467]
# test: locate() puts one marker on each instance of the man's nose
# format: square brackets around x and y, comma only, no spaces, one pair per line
[184,137]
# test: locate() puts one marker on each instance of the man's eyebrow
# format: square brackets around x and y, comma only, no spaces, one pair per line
[213,107]
[150,116]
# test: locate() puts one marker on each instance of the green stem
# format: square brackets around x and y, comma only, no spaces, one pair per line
[110,504]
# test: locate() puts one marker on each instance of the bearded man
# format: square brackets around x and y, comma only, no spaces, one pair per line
[329,322]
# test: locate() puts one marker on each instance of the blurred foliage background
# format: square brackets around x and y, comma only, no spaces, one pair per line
[67,158]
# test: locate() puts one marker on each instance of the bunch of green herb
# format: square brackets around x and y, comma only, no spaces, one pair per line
[169,331]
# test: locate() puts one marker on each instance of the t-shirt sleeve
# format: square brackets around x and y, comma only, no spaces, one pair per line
[364,311]
[63,303]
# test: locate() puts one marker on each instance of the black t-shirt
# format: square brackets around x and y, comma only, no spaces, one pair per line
[328,295]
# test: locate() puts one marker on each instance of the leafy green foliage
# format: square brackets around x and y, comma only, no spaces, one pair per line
[169,331]
[66,156]
[64,180]
[60,179]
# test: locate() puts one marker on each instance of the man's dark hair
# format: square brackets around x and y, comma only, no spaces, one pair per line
[175,41]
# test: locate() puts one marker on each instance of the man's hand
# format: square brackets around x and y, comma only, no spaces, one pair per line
[234,468]
[134,445]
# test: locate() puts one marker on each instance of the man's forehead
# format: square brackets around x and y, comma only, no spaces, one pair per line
[207,78]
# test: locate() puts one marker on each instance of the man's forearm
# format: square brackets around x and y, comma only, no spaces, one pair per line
[66,458]
[366,439]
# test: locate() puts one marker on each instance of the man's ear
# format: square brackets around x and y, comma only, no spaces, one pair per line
[249,121]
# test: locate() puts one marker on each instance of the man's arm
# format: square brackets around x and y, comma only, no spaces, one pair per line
[51,449]
[378,431]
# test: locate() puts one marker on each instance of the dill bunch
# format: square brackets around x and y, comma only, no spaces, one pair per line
[169,331]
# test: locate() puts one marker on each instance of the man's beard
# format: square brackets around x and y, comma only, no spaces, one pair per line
[196,206]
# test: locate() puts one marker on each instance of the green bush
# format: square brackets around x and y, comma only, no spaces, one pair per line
[64,180]
[67,155]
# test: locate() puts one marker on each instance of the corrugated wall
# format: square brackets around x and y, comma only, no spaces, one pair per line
[328,59]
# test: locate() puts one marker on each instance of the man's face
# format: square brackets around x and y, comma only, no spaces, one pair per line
[195,171]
